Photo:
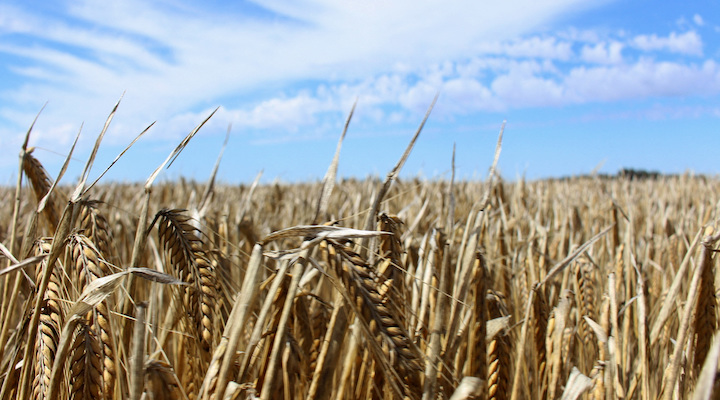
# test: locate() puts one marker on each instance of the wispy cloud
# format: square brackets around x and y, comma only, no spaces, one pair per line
[683,43]
[603,53]
[284,66]
[698,20]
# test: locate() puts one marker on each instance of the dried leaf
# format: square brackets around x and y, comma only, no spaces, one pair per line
[577,384]
[469,388]
[321,232]
[706,380]
[24,263]
[495,326]
[599,331]
[156,276]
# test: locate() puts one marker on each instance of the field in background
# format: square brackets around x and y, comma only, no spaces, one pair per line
[602,286]
[589,287]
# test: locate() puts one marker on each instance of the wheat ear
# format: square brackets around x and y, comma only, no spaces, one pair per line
[395,347]
[50,324]
[705,318]
[41,183]
[90,265]
[188,260]
[85,366]
[476,359]
[498,353]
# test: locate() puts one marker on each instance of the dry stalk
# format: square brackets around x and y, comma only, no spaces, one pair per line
[137,376]
[498,354]
[705,317]
[437,331]
[586,307]
[671,373]
[476,358]
[541,315]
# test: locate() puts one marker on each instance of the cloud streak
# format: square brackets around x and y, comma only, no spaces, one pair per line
[284,66]
[685,43]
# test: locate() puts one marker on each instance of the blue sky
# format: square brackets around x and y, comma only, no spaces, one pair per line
[581,84]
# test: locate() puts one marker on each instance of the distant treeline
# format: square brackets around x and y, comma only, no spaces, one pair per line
[638,174]
[630,174]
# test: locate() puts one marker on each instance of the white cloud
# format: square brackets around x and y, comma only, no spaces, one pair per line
[533,47]
[515,85]
[309,59]
[574,34]
[491,85]
[603,53]
[479,67]
[643,79]
[464,95]
[685,43]
[173,59]
[698,20]
[286,113]
[520,90]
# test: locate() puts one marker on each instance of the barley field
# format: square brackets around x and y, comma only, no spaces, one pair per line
[590,287]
